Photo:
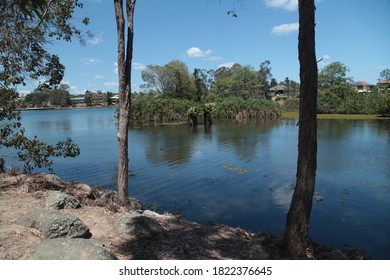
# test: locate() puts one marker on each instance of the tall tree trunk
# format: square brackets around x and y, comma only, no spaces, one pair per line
[125,56]
[299,214]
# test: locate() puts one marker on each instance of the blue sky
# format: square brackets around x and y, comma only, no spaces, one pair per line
[201,34]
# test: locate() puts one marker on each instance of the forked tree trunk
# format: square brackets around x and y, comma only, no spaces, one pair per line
[298,217]
[125,55]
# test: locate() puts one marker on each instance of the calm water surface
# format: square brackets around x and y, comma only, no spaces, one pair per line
[240,175]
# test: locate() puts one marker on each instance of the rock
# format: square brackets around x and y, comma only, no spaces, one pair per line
[55,224]
[59,200]
[109,197]
[141,226]
[82,190]
[72,249]
[135,204]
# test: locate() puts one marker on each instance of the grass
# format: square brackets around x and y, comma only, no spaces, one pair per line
[294,115]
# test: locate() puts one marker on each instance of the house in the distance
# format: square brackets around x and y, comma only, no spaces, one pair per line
[278,90]
[362,86]
[384,85]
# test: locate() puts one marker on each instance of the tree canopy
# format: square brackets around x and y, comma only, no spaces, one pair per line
[333,74]
[26,27]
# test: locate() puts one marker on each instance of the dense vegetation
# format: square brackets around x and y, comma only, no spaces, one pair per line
[157,109]
[26,29]
[173,93]
[336,96]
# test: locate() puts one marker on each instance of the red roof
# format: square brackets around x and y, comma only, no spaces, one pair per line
[361,83]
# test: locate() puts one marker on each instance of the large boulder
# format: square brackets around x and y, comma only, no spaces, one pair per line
[58,200]
[141,226]
[81,190]
[72,249]
[55,224]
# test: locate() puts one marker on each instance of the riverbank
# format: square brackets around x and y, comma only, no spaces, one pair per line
[34,208]
[295,115]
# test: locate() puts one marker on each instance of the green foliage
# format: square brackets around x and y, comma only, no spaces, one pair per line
[38,97]
[345,100]
[252,108]
[171,80]
[193,111]
[44,95]
[26,27]
[36,153]
[384,75]
[238,81]
[151,108]
[32,152]
[88,98]
[333,74]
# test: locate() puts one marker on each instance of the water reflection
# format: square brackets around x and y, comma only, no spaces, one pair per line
[172,145]
[239,174]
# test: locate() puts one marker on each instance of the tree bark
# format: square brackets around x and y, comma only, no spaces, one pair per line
[125,55]
[295,240]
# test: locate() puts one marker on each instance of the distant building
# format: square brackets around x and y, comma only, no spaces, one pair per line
[384,85]
[77,100]
[278,89]
[362,86]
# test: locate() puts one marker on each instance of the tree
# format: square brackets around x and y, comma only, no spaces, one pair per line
[384,75]
[88,98]
[125,57]
[200,80]
[239,81]
[333,74]
[26,27]
[295,239]
[171,80]
[60,96]
[265,76]
[108,99]
[38,97]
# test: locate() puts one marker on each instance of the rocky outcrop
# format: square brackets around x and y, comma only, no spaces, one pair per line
[72,249]
[141,226]
[58,200]
[56,224]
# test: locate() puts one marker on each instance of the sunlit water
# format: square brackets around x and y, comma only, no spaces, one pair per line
[240,175]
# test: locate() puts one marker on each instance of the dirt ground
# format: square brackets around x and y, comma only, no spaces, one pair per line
[22,194]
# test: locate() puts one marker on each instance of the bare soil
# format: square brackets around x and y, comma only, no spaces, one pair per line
[22,194]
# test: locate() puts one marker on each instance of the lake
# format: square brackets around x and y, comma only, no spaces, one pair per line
[238,174]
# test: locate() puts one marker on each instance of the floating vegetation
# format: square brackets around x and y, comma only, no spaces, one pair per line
[317,197]
[343,201]
[237,170]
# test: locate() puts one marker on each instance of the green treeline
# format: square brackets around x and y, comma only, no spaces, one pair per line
[157,109]
[172,94]
[337,96]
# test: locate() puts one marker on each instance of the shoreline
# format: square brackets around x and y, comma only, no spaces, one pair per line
[129,232]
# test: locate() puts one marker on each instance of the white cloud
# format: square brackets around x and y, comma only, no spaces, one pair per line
[323,61]
[90,61]
[139,66]
[110,84]
[227,65]
[98,77]
[285,29]
[96,40]
[289,5]
[196,52]
[116,67]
